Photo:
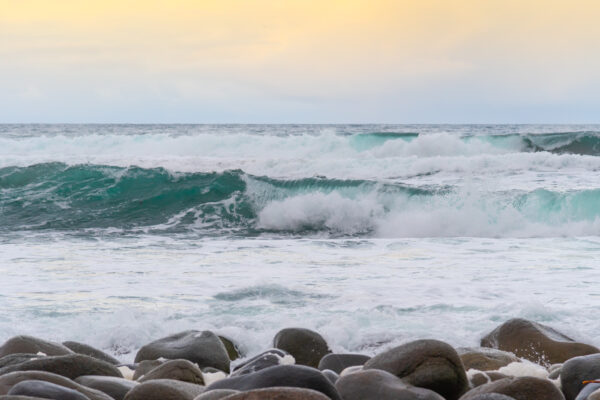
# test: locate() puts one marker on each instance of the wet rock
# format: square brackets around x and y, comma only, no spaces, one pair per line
[263,360]
[17,358]
[485,358]
[277,376]
[232,350]
[216,394]
[306,346]
[429,364]
[577,370]
[45,390]
[71,366]
[535,342]
[143,367]
[554,371]
[339,362]
[82,348]
[519,388]
[483,377]
[179,370]
[587,391]
[165,389]
[116,388]
[376,384]
[17,397]
[282,393]
[32,345]
[202,348]
[331,375]
[7,381]
[491,396]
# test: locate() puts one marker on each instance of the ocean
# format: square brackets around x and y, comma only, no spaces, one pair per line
[372,235]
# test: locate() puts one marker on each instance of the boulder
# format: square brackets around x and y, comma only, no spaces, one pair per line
[376,384]
[17,397]
[32,345]
[331,375]
[429,364]
[71,366]
[577,370]
[485,358]
[306,346]
[164,389]
[277,376]
[216,394]
[263,360]
[45,390]
[143,367]
[232,350]
[587,391]
[82,348]
[535,342]
[519,388]
[179,370]
[116,388]
[281,393]
[202,348]
[483,377]
[339,362]
[7,381]
[16,358]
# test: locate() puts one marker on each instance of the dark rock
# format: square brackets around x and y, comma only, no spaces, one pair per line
[587,391]
[32,345]
[71,366]
[143,367]
[7,381]
[16,397]
[232,350]
[485,358]
[306,346]
[374,384]
[164,389]
[483,377]
[519,388]
[339,362]
[492,396]
[216,394]
[16,358]
[82,348]
[116,388]
[179,370]
[577,370]
[280,375]
[281,393]
[429,364]
[263,360]
[331,375]
[535,342]
[202,348]
[45,390]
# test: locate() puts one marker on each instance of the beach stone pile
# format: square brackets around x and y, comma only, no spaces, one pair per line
[519,360]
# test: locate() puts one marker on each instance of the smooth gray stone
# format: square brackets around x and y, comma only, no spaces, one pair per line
[165,389]
[116,388]
[339,362]
[71,366]
[82,348]
[7,381]
[306,346]
[45,390]
[519,388]
[587,391]
[216,394]
[266,359]
[180,370]
[485,358]
[32,345]
[278,393]
[575,371]
[143,367]
[17,358]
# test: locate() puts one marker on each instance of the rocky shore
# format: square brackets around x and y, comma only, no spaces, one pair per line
[519,360]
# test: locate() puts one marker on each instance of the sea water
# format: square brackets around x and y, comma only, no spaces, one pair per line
[373,235]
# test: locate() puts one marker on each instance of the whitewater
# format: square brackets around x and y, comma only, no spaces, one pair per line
[373,235]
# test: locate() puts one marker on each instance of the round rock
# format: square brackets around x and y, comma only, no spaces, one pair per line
[429,364]
[216,394]
[535,342]
[519,388]
[232,350]
[164,389]
[82,348]
[266,359]
[306,346]
[7,381]
[577,370]
[45,390]
[32,345]
[281,393]
[71,366]
[376,384]
[202,348]
[116,388]
[339,362]
[179,370]
[485,358]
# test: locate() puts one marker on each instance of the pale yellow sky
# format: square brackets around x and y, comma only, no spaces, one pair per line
[300,61]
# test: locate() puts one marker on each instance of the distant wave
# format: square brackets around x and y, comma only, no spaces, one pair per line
[56,196]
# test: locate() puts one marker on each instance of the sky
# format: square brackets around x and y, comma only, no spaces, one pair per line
[300,61]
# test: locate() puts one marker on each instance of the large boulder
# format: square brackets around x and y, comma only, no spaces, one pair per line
[266,359]
[535,342]
[82,348]
[339,362]
[519,388]
[306,346]
[179,370]
[282,393]
[165,389]
[116,388]
[577,370]
[374,384]
[485,358]
[32,345]
[429,364]
[7,381]
[45,390]
[71,366]
[280,376]
[202,348]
